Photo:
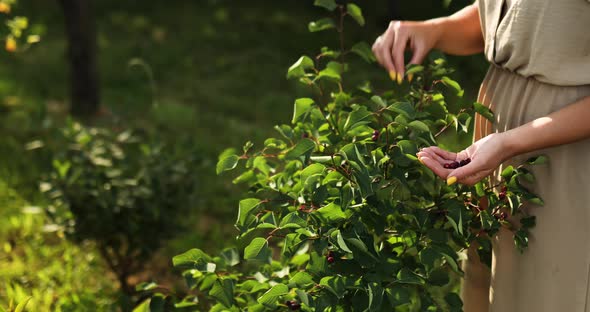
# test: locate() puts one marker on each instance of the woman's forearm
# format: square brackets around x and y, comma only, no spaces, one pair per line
[460,33]
[567,125]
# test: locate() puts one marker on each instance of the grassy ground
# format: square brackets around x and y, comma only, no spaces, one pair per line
[209,74]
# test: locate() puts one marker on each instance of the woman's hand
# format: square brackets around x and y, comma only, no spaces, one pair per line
[458,34]
[485,154]
[389,48]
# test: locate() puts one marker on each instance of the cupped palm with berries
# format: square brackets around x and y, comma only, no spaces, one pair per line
[341,214]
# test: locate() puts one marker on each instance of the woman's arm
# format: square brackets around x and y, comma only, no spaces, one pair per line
[567,125]
[458,34]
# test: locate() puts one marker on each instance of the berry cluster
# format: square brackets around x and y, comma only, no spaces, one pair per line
[375,136]
[293,305]
[457,164]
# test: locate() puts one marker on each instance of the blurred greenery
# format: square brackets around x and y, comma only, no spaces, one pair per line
[201,75]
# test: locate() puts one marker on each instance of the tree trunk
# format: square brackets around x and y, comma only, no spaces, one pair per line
[81,35]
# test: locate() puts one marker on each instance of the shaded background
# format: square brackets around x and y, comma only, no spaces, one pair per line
[202,76]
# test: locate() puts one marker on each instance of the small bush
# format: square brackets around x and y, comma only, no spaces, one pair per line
[119,190]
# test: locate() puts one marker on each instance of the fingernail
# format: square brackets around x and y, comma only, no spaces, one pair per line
[451,180]
[420,160]
[392,74]
[410,77]
[400,78]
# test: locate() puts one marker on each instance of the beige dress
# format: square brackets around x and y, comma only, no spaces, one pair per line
[539,52]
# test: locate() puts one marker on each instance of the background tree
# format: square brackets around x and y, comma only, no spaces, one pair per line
[81,34]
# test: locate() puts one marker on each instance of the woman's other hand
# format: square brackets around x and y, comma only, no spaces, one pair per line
[389,48]
[458,34]
[486,155]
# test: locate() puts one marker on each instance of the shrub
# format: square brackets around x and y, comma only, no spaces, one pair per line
[120,190]
[341,215]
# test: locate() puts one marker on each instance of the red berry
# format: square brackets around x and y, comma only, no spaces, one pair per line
[375,138]
[447,166]
[331,260]
[502,195]
[464,162]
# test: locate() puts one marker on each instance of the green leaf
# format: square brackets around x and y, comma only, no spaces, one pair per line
[355,12]
[301,280]
[484,111]
[486,219]
[270,297]
[23,304]
[404,108]
[223,292]
[227,163]
[193,258]
[414,69]
[245,215]
[428,257]
[332,71]
[329,5]
[538,160]
[419,126]
[454,301]
[507,172]
[359,117]
[335,284]
[301,108]
[330,213]
[398,295]
[311,170]
[297,70]
[230,256]
[528,222]
[302,147]
[453,85]
[257,250]
[406,276]
[363,50]
[341,242]
[321,24]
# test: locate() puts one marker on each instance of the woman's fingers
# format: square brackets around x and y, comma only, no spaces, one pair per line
[398,48]
[432,155]
[435,167]
[446,155]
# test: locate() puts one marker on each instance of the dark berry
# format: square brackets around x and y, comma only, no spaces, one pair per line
[464,162]
[376,132]
[446,166]
[502,195]
[453,165]
[305,135]
[375,138]
[504,189]
[331,260]
[289,303]
[295,305]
